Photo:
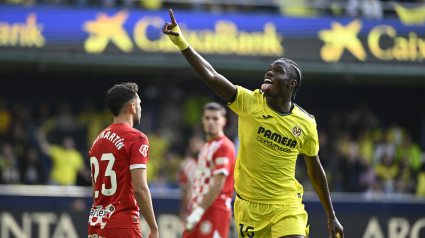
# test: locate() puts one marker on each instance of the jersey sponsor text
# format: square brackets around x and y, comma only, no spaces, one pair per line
[277,137]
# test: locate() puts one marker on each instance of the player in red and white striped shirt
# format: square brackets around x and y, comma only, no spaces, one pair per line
[213,184]
[187,174]
[118,161]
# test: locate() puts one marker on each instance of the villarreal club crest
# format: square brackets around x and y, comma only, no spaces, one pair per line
[296,131]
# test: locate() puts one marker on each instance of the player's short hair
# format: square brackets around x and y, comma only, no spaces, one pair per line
[215,107]
[297,74]
[119,95]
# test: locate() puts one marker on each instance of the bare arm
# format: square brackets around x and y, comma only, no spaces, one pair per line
[217,185]
[217,82]
[318,179]
[215,189]
[42,141]
[144,199]
[184,199]
[93,185]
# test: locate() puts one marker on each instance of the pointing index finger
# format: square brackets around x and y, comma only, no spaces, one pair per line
[173,20]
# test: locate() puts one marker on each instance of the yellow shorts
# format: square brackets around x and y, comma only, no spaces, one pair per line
[269,220]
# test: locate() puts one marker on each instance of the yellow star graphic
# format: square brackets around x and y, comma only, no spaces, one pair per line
[339,38]
[104,29]
[413,16]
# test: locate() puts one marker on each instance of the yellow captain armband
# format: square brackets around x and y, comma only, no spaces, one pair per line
[179,41]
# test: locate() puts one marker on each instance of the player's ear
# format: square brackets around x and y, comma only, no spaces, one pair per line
[133,107]
[293,82]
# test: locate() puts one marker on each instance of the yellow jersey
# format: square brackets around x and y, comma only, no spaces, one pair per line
[270,143]
[66,164]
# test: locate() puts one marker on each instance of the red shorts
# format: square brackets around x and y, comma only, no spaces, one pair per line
[212,222]
[114,232]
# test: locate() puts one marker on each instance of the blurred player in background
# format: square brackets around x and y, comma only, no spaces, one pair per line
[212,190]
[187,174]
[67,161]
[272,131]
[118,160]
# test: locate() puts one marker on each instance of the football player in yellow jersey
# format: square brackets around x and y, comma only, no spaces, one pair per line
[272,131]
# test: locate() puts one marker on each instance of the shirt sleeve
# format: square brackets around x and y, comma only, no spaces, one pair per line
[223,160]
[244,101]
[311,143]
[54,152]
[139,152]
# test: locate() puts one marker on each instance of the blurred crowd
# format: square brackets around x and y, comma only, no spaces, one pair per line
[374,9]
[360,155]
[48,143]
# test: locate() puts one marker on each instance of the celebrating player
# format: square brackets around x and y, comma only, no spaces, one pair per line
[273,130]
[213,184]
[118,160]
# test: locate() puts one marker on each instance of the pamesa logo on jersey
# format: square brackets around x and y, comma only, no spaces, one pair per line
[276,137]
[296,131]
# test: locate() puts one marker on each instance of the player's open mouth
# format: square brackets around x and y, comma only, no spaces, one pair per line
[267,83]
[267,80]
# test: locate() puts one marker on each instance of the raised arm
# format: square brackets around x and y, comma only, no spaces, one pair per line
[43,142]
[318,179]
[217,82]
